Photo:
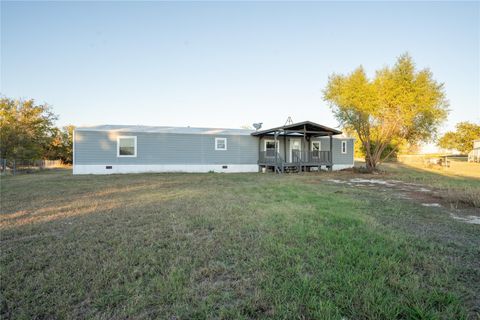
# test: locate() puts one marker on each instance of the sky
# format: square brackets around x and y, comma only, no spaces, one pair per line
[226,64]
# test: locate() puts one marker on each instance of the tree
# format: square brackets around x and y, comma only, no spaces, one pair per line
[398,106]
[26,129]
[462,138]
[61,146]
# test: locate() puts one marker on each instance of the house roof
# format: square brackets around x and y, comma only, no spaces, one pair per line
[166,129]
[299,126]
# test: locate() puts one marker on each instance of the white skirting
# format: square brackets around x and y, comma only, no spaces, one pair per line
[341,166]
[134,168]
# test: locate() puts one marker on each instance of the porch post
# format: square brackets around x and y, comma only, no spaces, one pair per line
[305,154]
[331,152]
[276,151]
[260,152]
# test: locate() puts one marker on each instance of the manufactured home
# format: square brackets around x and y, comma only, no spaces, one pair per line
[303,146]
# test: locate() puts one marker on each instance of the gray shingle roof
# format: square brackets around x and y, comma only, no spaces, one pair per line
[166,129]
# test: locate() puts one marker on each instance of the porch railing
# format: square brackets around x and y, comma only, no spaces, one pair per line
[268,157]
[320,157]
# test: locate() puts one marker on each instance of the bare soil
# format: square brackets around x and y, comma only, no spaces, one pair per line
[424,195]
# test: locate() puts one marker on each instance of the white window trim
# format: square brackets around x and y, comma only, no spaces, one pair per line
[344,143]
[220,149]
[118,146]
[271,140]
[319,145]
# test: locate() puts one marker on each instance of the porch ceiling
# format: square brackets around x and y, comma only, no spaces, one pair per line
[307,127]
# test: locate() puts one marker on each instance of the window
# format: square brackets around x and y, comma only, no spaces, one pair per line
[220,143]
[126,146]
[344,146]
[270,148]
[315,148]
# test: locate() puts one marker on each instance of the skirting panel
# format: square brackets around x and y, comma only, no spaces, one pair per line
[341,166]
[109,169]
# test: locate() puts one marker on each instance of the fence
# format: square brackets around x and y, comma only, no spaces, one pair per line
[426,160]
[17,166]
[455,163]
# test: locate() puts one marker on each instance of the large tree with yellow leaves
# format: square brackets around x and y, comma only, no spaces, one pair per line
[399,105]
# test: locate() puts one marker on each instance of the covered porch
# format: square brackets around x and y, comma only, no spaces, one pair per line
[296,147]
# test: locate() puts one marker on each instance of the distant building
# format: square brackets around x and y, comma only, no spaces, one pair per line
[474,155]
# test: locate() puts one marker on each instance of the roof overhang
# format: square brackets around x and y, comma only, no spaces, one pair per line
[306,127]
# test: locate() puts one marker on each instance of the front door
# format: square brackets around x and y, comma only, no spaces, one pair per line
[295,149]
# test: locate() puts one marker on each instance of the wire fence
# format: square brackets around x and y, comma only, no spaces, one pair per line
[432,160]
[21,166]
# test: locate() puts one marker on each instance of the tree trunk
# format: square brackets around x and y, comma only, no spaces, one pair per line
[370,163]
[369,158]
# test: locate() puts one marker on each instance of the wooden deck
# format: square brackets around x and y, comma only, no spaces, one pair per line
[300,161]
[301,155]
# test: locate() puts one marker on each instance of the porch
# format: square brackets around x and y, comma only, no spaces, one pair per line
[296,147]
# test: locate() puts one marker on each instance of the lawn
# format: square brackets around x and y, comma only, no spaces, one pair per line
[232,246]
[459,183]
[459,173]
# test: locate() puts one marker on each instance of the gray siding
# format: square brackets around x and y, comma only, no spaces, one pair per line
[100,147]
[281,144]
[284,145]
[337,156]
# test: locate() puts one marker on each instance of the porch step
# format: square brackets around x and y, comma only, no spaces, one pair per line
[291,169]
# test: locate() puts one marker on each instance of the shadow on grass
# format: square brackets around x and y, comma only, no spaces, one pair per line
[426,174]
[216,246]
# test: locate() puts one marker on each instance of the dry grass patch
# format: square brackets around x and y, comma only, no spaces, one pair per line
[226,246]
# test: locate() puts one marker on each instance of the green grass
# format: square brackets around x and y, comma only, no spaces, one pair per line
[228,246]
[443,178]
[458,185]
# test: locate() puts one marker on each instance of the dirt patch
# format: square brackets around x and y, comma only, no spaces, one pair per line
[416,192]
[473,219]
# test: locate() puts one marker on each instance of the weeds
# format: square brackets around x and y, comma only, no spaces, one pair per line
[247,246]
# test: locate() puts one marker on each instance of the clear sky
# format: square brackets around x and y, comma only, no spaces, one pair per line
[225,64]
